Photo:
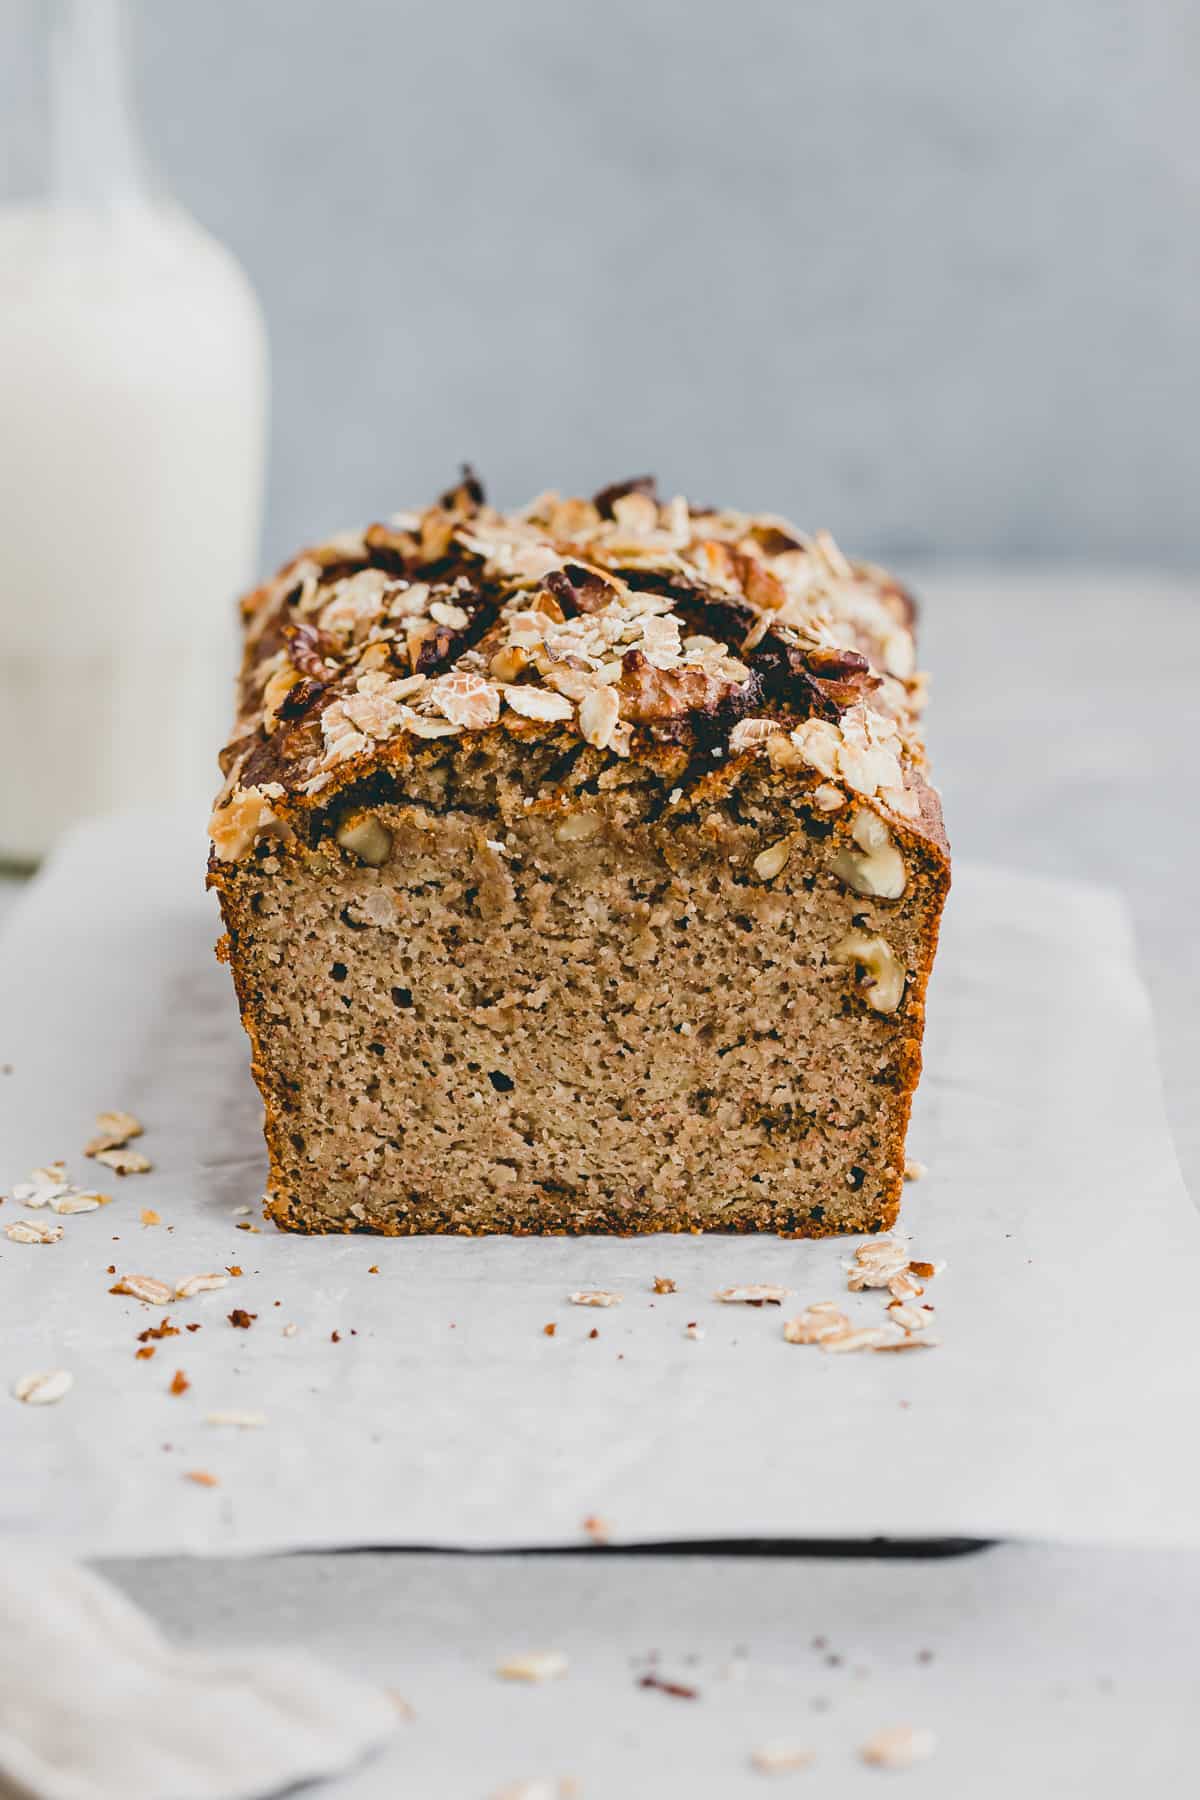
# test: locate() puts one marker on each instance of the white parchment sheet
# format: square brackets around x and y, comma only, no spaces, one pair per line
[1064,1401]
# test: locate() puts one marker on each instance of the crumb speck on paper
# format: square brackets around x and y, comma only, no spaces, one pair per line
[145,1351]
[679,1690]
[374,1269]
[164,1329]
[242,1319]
[549,1330]
[693,1329]
[664,1285]
[150,1217]
[245,1421]
[598,1529]
[914,1170]
[179,1383]
[201,1477]
[289,1330]
[594,1297]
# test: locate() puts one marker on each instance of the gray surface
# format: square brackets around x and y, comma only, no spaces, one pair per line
[923,273]
[1054,1673]
[1063,717]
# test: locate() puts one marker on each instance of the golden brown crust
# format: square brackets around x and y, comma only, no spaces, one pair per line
[632,626]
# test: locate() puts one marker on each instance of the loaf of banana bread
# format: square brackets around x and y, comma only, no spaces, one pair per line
[580,872]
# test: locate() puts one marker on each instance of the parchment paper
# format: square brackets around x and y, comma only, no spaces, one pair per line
[1062,1403]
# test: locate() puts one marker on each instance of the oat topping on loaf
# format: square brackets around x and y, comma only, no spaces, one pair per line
[580,872]
[644,629]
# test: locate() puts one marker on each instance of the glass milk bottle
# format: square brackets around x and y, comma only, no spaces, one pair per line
[132,415]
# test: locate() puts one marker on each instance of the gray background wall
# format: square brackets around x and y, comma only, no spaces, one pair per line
[923,270]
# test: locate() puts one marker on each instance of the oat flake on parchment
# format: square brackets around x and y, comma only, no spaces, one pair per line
[44,1387]
[899,1747]
[753,1293]
[533,1665]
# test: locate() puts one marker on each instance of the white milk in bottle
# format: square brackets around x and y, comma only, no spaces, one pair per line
[132,411]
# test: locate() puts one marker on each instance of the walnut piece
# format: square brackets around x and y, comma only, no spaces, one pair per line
[365,837]
[885,989]
[876,869]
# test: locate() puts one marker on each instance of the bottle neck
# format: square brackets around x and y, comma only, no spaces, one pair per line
[96,159]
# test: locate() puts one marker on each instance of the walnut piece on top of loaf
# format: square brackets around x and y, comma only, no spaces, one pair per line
[580,872]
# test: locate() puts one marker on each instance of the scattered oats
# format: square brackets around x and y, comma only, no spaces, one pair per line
[43,1186]
[239,1212]
[664,1285]
[246,1421]
[289,1331]
[779,1759]
[876,1264]
[453,617]
[199,1284]
[909,1340]
[79,1200]
[599,713]
[150,1217]
[753,1294]
[538,703]
[594,1297]
[693,1329]
[880,1249]
[867,1338]
[675,796]
[912,1318]
[33,1231]
[125,1162]
[914,1170]
[815,1324]
[535,1665]
[144,1287]
[44,1387]
[903,1287]
[201,1477]
[899,1747]
[113,1132]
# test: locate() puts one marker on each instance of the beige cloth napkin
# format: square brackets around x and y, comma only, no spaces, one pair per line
[96,1705]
